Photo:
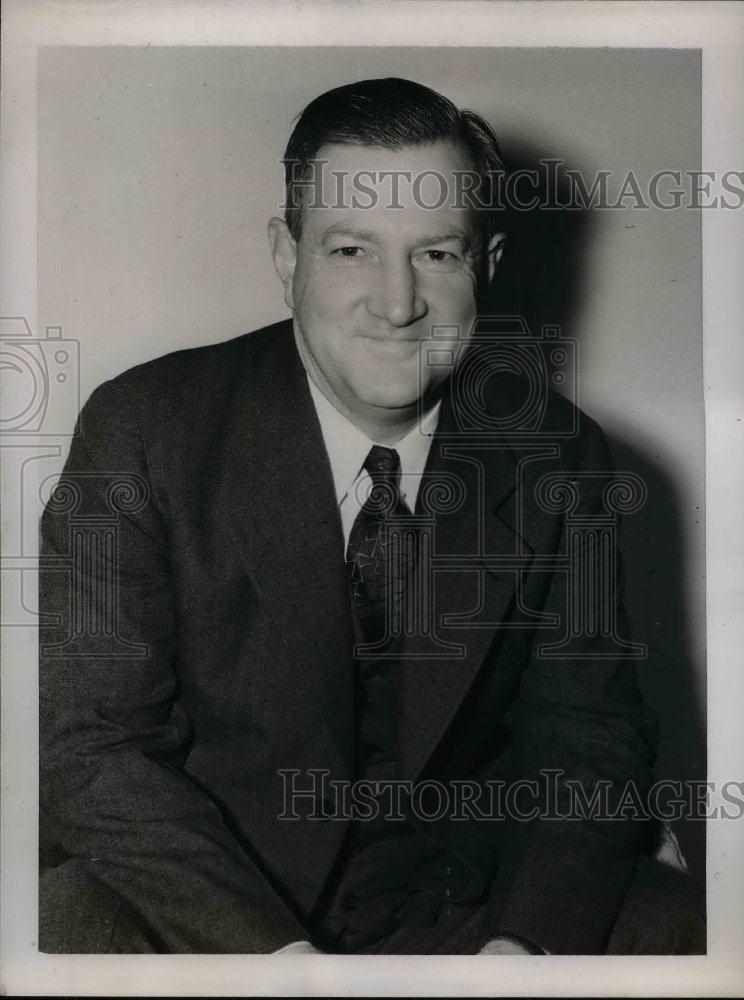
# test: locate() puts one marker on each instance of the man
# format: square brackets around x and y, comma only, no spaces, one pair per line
[299,586]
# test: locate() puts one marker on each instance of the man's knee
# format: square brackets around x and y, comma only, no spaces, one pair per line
[78,914]
[663,914]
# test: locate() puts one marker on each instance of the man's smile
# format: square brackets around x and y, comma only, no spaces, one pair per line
[397,346]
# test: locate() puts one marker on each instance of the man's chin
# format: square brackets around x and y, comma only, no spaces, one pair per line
[390,398]
[401,396]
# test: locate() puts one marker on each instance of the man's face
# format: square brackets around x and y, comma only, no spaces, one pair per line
[367,284]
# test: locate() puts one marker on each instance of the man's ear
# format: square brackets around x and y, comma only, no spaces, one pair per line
[494,253]
[284,252]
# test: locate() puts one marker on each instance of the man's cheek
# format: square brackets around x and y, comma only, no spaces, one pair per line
[328,303]
[453,292]
[456,310]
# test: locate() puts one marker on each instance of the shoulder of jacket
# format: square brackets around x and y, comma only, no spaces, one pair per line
[529,411]
[192,372]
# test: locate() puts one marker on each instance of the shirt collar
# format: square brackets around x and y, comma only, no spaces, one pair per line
[348,446]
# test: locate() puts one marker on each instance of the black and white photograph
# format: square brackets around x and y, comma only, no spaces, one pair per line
[371,438]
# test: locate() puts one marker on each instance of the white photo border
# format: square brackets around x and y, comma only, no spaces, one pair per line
[715,28]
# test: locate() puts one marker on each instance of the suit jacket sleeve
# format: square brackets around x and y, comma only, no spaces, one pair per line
[562,881]
[112,731]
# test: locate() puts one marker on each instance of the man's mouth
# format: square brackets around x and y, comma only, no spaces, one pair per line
[398,346]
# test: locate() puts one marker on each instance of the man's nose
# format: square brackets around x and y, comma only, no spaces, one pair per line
[397,298]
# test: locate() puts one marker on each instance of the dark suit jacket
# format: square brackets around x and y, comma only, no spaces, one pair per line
[196,639]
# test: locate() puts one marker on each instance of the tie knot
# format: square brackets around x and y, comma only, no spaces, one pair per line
[382,464]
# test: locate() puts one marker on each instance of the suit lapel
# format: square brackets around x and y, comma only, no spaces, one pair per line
[467,506]
[284,517]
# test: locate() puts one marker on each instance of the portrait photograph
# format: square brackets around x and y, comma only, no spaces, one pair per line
[371,435]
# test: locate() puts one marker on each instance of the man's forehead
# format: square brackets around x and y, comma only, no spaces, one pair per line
[415,191]
[381,225]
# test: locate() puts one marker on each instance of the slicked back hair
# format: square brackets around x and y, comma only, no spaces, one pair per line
[391,113]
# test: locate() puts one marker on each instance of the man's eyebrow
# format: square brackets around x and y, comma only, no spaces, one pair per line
[341,229]
[445,236]
[368,236]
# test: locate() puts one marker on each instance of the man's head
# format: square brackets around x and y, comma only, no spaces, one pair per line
[381,241]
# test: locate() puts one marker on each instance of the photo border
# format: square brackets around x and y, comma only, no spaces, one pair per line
[715,28]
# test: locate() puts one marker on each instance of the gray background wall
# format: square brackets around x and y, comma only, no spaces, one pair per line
[158,169]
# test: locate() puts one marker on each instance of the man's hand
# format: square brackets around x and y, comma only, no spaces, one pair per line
[504,946]
[298,948]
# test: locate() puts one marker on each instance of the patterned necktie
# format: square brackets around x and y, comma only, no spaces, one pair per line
[375,560]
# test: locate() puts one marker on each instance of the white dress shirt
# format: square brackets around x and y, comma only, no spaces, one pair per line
[348,447]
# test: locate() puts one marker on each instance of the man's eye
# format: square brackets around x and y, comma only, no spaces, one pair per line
[348,253]
[440,257]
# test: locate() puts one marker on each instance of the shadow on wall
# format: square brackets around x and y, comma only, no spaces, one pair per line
[541,278]
[541,274]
